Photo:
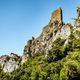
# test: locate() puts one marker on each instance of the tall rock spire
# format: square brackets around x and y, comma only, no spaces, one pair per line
[56,17]
[77,20]
[55,29]
[78,12]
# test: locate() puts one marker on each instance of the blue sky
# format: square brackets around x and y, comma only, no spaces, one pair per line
[22,19]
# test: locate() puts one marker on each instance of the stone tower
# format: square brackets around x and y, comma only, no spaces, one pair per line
[57,16]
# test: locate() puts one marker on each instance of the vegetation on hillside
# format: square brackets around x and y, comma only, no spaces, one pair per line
[62,63]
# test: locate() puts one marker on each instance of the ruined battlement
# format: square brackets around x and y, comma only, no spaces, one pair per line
[57,16]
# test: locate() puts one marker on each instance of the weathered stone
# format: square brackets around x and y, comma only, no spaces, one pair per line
[50,33]
[77,20]
[10,63]
[54,30]
[56,17]
[78,12]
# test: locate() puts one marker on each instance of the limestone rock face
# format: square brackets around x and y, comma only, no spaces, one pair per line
[10,62]
[56,16]
[51,32]
[55,29]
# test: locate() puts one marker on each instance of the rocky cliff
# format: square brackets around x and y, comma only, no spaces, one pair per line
[55,29]
[10,62]
[51,32]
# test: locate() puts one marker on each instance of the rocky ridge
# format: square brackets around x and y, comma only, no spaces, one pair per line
[10,62]
[54,30]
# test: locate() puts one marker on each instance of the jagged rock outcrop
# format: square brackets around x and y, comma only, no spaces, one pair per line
[10,62]
[51,32]
[55,29]
[77,20]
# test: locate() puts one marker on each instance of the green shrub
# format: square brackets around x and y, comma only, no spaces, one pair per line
[70,70]
[57,51]
[62,63]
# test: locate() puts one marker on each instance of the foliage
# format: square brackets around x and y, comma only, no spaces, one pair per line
[57,52]
[4,76]
[71,67]
[62,63]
